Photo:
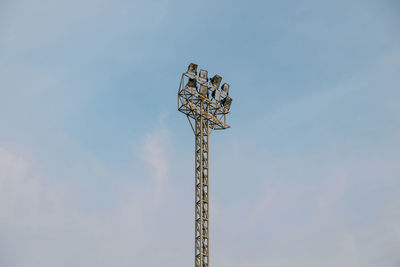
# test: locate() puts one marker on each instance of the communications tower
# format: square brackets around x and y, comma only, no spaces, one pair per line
[205,105]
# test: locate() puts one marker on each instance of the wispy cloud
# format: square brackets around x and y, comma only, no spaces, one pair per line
[43,224]
[154,153]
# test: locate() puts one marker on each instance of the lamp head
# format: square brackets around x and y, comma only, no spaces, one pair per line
[192,68]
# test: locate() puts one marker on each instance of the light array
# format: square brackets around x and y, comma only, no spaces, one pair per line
[219,95]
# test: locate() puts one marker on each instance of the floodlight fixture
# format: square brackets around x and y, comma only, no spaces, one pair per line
[191,83]
[192,68]
[216,95]
[216,81]
[203,74]
[225,88]
[203,90]
[226,102]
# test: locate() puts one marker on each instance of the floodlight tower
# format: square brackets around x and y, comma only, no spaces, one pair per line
[205,106]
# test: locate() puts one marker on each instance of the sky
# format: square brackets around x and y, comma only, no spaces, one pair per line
[97,164]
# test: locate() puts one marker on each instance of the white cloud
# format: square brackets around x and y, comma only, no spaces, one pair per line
[19,189]
[341,214]
[155,153]
[42,223]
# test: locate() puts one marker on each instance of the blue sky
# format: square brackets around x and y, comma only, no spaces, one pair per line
[96,163]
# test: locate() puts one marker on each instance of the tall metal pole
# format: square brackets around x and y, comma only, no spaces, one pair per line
[207,114]
[202,134]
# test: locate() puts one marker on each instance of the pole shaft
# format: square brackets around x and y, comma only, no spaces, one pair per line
[202,134]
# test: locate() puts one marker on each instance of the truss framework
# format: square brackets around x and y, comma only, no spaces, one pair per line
[206,115]
[202,135]
[189,103]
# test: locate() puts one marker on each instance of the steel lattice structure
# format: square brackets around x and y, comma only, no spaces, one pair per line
[204,114]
